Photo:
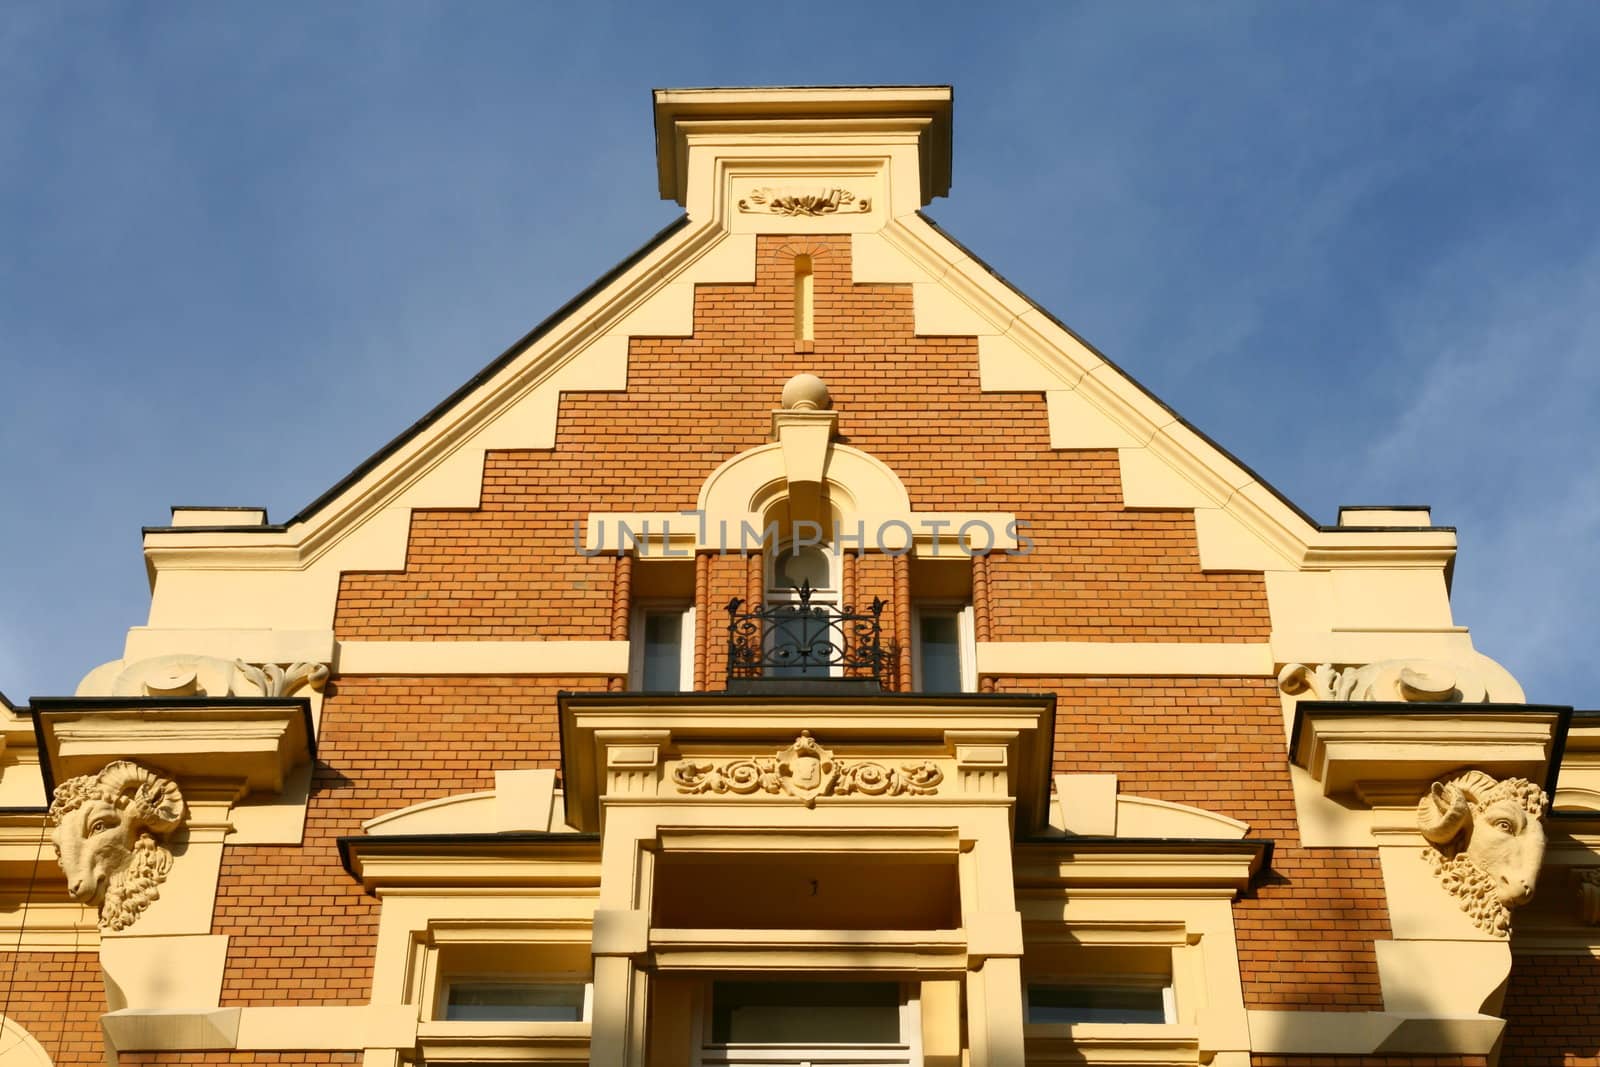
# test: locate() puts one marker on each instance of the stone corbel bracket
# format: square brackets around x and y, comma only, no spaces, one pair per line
[1377,753]
[255,743]
[243,766]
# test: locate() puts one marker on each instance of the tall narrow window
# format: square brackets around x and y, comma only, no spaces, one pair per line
[942,651]
[661,650]
[802,300]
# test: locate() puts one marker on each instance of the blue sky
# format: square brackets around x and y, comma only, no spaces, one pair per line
[245,245]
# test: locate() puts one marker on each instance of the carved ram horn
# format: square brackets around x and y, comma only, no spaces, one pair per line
[1445,811]
[157,799]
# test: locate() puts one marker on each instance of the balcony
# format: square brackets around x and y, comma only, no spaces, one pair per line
[802,645]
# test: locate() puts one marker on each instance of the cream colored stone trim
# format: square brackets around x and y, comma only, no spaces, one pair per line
[1113,1043]
[354,1027]
[1164,463]
[1148,817]
[288,580]
[184,1029]
[470,1042]
[18,1047]
[483,657]
[520,800]
[1097,658]
[181,972]
[338,1028]
[1417,517]
[252,646]
[1367,758]
[1350,1033]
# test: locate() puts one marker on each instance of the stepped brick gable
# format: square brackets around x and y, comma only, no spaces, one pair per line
[801,649]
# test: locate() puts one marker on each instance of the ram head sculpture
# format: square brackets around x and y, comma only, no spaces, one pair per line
[1486,843]
[109,833]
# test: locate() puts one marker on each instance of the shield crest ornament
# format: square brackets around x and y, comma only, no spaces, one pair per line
[806,769]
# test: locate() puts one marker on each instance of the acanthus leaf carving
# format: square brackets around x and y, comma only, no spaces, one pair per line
[806,770]
[186,675]
[1486,842]
[812,205]
[1411,680]
[276,680]
[110,832]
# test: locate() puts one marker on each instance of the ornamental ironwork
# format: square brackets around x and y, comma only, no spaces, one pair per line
[802,640]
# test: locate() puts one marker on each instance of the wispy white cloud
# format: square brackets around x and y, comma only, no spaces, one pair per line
[1498,432]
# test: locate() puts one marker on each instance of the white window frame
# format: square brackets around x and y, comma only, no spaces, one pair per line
[907,1052]
[441,1000]
[1169,1000]
[829,597]
[966,640]
[636,642]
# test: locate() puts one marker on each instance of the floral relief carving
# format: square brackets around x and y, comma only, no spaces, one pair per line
[1413,680]
[185,675]
[109,833]
[1486,842]
[832,201]
[806,770]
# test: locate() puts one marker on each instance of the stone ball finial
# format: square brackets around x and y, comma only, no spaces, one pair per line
[806,392]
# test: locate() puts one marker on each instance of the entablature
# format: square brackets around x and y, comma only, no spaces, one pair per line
[810,749]
[1388,753]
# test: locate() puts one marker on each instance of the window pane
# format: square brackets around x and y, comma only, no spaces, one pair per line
[940,649]
[1095,1004]
[663,651]
[805,1013]
[515,1002]
[793,569]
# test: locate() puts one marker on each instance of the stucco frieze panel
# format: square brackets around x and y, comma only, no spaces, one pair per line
[805,771]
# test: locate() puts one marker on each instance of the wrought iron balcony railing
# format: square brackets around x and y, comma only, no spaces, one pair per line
[803,641]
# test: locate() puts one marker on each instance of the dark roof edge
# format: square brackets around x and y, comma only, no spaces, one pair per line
[1001,278]
[494,367]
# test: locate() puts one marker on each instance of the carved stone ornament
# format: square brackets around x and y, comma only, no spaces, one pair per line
[1416,680]
[109,832]
[1588,884]
[807,771]
[773,202]
[1486,843]
[184,675]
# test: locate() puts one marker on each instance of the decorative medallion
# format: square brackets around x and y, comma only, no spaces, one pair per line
[770,201]
[806,770]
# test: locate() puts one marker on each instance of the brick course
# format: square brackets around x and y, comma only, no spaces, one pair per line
[1552,1012]
[57,997]
[509,570]
[1305,934]
[302,930]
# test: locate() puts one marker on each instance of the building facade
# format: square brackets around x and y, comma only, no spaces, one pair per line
[800,649]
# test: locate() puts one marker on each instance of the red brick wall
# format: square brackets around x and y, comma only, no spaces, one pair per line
[509,570]
[1305,935]
[1553,1012]
[57,997]
[302,929]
